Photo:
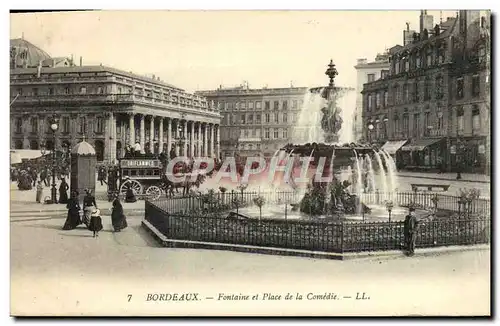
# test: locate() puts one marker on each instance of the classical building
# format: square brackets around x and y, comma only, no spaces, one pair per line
[367,72]
[420,110]
[107,107]
[256,121]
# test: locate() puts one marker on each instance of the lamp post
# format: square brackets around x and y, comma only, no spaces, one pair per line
[53,126]
[386,120]
[370,129]
[389,205]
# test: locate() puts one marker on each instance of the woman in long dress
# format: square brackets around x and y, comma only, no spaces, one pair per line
[118,219]
[73,206]
[88,206]
[129,194]
[95,224]
[39,191]
[63,192]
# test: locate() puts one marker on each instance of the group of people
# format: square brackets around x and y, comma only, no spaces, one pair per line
[91,216]
[28,176]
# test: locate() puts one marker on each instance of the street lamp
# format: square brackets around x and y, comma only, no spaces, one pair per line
[370,128]
[53,126]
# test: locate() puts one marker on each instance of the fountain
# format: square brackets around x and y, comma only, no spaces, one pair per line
[319,135]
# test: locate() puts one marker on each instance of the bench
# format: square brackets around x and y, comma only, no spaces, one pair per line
[430,187]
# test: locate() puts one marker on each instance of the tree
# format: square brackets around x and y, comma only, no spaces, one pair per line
[259,201]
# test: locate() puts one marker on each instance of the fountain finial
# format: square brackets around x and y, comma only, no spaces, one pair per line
[331,72]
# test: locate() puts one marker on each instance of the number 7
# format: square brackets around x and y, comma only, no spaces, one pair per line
[129,297]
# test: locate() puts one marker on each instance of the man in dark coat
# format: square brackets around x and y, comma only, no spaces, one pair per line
[410,232]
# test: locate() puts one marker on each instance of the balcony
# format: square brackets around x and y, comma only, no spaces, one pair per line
[62,99]
[436,133]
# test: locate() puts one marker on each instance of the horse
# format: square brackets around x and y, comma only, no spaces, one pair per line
[169,185]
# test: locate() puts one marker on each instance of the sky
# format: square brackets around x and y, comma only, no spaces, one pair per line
[199,50]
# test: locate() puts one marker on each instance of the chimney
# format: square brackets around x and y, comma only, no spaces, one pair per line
[426,22]
[362,61]
[81,60]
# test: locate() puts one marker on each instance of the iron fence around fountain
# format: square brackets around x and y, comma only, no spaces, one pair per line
[424,200]
[316,236]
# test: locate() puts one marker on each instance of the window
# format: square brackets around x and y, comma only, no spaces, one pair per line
[254,132]
[65,124]
[427,123]
[475,86]
[285,118]
[285,105]
[243,119]
[66,90]
[429,57]
[396,124]
[257,147]
[427,89]
[250,105]
[386,98]
[406,123]
[276,118]
[245,133]
[294,117]
[377,100]
[285,133]
[34,124]
[250,118]
[100,90]
[276,133]
[418,63]
[83,90]
[82,125]
[258,105]
[243,105]
[384,74]
[266,134]
[35,91]
[294,104]
[476,121]
[369,102]
[416,91]
[267,105]
[460,88]
[99,125]
[20,91]
[250,146]
[51,91]
[371,77]
[19,125]
[276,105]
[236,105]
[416,124]
[406,94]
[257,118]
[267,117]
[460,119]
[439,87]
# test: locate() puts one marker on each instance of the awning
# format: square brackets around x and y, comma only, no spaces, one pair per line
[419,145]
[391,147]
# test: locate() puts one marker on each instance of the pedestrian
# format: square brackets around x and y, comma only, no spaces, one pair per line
[118,219]
[63,192]
[43,176]
[101,175]
[34,176]
[73,218]
[129,194]
[39,191]
[88,206]
[410,232]
[95,224]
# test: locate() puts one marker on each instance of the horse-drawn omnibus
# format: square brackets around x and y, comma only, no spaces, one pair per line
[143,175]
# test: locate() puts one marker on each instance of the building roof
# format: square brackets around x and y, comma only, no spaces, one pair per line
[35,54]
[83,148]
[77,69]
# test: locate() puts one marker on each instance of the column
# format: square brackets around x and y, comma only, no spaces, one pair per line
[152,135]
[217,153]
[205,141]
[198,141]
[191,140]
[169,135]
[131,127]
[212,140]
[110,136]
[25,128]
[142,133]
[184,130]
[176,132]
[160,136]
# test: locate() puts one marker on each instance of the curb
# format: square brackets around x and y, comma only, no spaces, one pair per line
[375,255]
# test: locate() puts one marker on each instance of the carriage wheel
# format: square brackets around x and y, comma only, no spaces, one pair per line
[136,187]
[153,192]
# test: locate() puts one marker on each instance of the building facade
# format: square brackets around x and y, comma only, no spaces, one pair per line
[367,72]
[107,107]
[419,111]
[256,121]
